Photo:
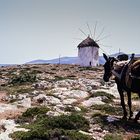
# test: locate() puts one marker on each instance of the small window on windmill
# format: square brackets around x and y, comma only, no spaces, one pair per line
[90,63]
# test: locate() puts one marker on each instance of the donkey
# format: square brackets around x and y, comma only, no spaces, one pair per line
[124,83]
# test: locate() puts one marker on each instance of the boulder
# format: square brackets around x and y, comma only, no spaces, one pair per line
[69,101]
[46,99]
[76,94]
[26,102]
[93,101]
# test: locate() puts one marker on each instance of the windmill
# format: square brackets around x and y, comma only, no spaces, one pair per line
[88,49]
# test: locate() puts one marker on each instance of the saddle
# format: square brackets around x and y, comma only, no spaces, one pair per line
[133,71]
[126,71]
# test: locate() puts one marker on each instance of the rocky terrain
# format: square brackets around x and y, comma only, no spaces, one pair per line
[61,102]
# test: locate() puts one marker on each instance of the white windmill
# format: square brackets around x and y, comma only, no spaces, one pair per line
[88,49]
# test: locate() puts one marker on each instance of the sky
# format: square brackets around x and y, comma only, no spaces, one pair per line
[45,29]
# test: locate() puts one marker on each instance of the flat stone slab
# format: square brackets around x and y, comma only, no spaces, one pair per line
[93,101]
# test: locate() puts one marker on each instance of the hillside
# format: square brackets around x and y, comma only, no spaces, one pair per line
[68,102]
[63,60]
[72,60]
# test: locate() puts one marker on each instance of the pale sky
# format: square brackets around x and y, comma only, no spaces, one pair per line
[45,29]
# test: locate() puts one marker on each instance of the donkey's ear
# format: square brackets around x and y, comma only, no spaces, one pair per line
[115,59]
[105,57]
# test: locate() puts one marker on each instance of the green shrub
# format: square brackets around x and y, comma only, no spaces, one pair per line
[102,93]
[23,78]
[108,109]
[24,89]
[68,122]
[59,78]
[47,128]
[83,109]
[88,68]
[31,112]
[42,134]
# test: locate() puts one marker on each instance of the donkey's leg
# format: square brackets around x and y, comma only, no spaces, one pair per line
[122,102]
[129,104]
[137,116]
[123,106]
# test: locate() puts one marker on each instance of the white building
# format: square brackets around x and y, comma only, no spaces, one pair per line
[88,53]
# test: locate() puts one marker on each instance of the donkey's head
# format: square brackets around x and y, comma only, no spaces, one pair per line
[108,67]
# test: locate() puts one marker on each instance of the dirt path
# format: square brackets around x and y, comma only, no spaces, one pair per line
[10,114]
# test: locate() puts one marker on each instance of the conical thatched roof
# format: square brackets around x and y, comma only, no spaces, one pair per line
[88,42]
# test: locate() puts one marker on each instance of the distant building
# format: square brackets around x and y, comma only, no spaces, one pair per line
[88,52]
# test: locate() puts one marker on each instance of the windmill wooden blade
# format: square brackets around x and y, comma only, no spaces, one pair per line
[83,32]
[89,30]
[104,45]
[95,29]
[100,33]
[103,51]
[103,38]
[78,38]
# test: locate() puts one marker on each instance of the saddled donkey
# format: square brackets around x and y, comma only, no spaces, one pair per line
[127,78]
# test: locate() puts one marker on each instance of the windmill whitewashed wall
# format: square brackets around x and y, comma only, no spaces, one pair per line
[88,52]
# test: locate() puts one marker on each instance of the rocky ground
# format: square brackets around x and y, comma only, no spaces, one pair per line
[64,102]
